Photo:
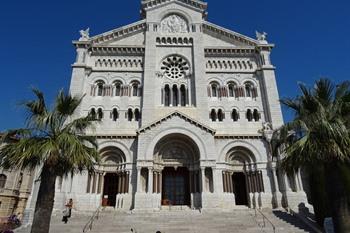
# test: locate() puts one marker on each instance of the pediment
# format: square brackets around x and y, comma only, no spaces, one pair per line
[177,114]
[222,37]
[129,35]
[197,5]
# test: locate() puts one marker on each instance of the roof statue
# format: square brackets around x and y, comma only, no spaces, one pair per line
[84,34]
[261,37]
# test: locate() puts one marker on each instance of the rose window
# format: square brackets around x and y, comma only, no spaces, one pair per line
[175,67]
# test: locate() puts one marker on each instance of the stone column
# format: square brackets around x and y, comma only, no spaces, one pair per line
[171,101]
[217,185]
[203,184]
[139,185]
[299,179]
[160,182]
[150,180]
[229,176]
[286,183]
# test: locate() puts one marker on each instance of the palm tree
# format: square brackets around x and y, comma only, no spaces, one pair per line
[319,137]
[53,141]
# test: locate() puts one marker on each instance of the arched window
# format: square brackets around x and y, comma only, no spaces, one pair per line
[3,179]
[175,96]
[167,96]
[92,114]
[118,88]
[100,114]
[183,95]
[137,115]
[249,89]
[256,115]
[249,115]
[214,89]
[100,87]
[115,114]
[130,114]
[221,115]
[235,115]
[135,88]
[231,89]
[213,115]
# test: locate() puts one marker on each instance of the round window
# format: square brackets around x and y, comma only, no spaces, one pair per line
[175,67]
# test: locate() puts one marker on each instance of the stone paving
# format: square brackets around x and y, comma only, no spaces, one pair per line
[237,221]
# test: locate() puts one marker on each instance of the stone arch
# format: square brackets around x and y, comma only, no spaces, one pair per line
[112,156]
[255,155]
[98,78]
[176,150]
[118,79]
[119,145]
[177,130]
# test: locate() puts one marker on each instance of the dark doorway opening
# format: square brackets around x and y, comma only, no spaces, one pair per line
[110,189]
[175,190]
[240,188]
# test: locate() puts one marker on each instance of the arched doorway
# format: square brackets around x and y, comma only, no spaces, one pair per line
[242,176]
[116,178]
[177,157]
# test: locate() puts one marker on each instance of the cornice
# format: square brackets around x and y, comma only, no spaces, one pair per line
[226,51]
[229,34]
[115,34]
[115,136]
[118,50]
[194,4]
[238,136]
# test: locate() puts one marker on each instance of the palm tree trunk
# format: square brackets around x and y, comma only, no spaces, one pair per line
[338,198]
[44,203]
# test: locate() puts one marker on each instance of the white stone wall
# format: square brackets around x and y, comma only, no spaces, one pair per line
[110,57]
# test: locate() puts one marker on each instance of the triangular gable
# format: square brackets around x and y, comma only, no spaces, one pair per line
[228,36]
[194,4]
[181,115]
[119,33]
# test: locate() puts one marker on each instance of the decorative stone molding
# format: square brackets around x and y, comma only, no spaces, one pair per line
[196,4]
[234,36]
[120,64]
[174,41]
[181,115]
[226,52]
[234,65]
[174,24]
[118,50]
[121,32]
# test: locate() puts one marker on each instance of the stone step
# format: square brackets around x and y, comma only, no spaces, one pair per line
[237,221]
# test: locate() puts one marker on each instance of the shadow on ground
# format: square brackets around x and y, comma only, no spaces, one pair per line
[288,218]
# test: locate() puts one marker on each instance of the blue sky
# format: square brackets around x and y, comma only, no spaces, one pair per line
[312,40]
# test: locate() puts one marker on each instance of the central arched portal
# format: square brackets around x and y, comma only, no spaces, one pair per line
[177,157]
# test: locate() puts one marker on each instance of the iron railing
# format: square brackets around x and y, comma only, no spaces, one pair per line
[265,219]
[90,223]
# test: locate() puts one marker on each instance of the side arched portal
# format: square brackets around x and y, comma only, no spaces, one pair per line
[241,176]
[113,174]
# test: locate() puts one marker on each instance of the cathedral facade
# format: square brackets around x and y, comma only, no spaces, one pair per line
[186,109]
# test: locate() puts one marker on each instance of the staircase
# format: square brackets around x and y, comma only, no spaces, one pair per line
[186,221]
